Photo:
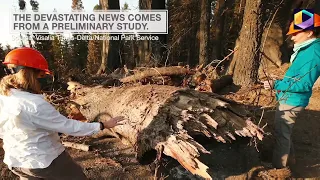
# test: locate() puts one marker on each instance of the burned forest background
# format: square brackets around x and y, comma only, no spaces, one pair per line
[237,37]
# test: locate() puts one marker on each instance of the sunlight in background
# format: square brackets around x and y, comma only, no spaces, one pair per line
[59,5]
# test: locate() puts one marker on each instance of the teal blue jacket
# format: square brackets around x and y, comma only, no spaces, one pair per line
[295,88]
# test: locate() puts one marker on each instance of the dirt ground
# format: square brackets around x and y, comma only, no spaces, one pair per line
[110,159]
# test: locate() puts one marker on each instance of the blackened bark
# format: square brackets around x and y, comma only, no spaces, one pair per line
[204,32]
[110,59]
[159,47]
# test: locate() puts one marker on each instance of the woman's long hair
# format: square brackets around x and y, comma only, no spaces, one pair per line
[26,80]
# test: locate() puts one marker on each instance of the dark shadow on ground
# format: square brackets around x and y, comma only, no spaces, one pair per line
[306,142]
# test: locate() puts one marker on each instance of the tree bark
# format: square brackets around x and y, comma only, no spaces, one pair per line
[82,147]
[110,59]
[163,71]
[204,32]
[152,53]
[164,119]
[246,60]
[217,28]
[158,47]
[104,56]
[114,46]
[145,50]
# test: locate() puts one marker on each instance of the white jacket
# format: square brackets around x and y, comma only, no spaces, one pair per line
[29,126]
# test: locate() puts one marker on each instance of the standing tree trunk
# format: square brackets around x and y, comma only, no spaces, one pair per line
[114,45]
[104,55]
[218,28]
[110,58]
[158,47]
[145,50]
[105,43]
[204,31]
[246,60]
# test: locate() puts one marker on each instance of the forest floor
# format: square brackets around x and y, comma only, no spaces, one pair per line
[110,159]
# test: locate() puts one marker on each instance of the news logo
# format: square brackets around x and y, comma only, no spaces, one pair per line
[304,19]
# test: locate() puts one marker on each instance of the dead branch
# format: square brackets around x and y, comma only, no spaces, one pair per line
[82,147]
[163,71]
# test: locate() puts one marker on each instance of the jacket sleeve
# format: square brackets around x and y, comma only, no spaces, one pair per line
[47,117]
[304,82]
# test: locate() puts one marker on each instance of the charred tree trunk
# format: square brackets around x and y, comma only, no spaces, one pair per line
[217,28]
[110,59]
[204,31]
[152,53]
[246,60]
[191,41]
[145,50]
[114,46]
[164,119]
[159,47]
[227,31]
[184,26]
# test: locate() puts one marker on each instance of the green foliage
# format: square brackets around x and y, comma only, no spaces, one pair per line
[66,53]
[45,47]
[79,47]
[79,53]
[125,6]
[59,63]
[97,7]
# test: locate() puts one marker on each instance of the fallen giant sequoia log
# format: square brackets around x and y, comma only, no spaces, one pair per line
[164,119]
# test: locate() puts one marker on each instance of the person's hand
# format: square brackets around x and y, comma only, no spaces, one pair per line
[113,122]
[268,84]
[274,77]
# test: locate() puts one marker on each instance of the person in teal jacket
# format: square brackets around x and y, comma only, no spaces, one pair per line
[294,91]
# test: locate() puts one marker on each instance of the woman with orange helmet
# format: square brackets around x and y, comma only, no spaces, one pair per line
[294,90]
[29,125]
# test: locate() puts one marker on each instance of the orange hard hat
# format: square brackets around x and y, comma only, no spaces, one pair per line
[316,20]
[292,30]
[27,57]
[316,24]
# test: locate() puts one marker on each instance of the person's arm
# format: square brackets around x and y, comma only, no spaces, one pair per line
[308,75]
[47,117]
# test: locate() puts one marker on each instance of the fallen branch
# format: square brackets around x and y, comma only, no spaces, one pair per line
[82,147]
[163,71]
[225,58]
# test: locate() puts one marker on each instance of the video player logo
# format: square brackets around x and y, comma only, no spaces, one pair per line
[303,19]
